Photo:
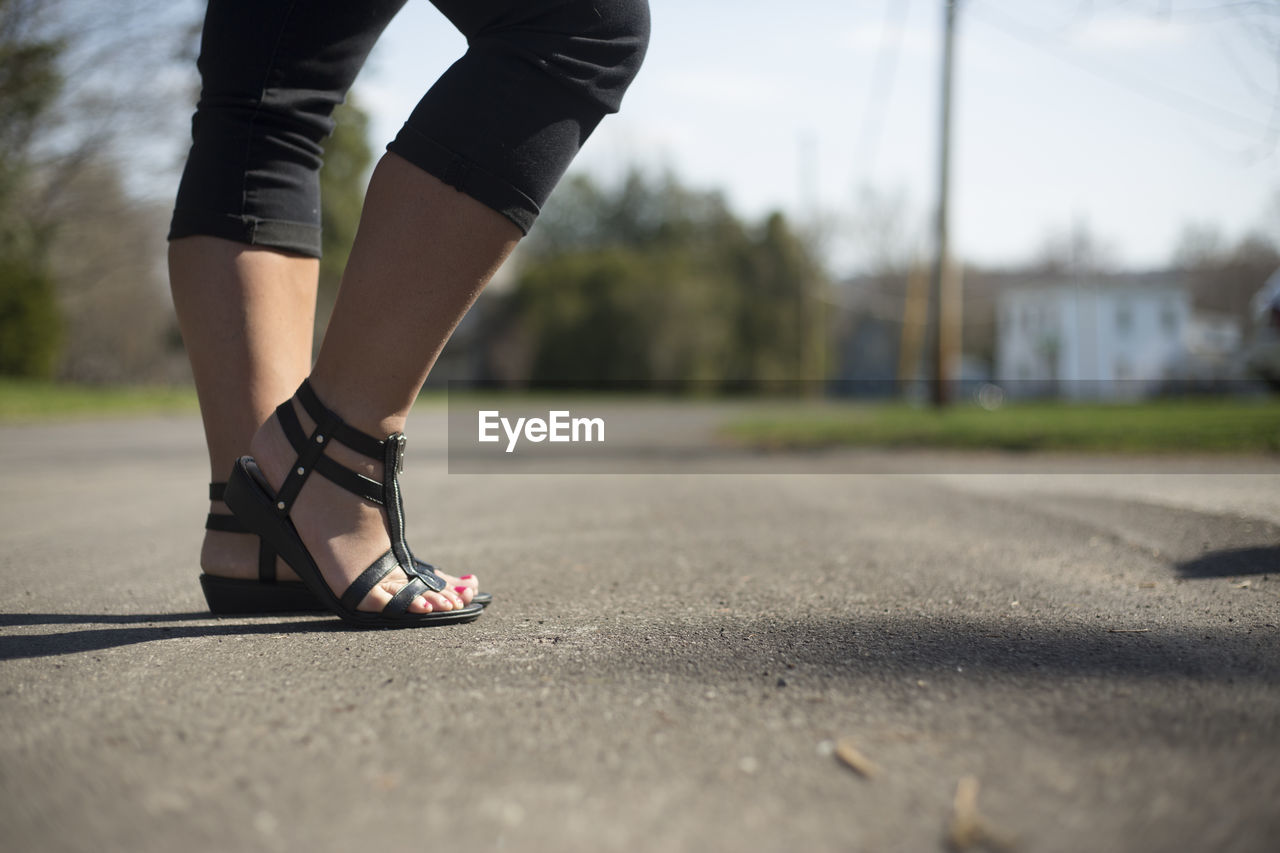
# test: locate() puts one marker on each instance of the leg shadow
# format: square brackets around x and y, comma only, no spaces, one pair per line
[138,628]
[1232,562]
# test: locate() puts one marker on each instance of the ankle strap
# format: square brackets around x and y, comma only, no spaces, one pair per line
[360,442]
[310,450]
[226,523]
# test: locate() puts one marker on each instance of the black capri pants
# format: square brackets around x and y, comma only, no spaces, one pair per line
[501,125]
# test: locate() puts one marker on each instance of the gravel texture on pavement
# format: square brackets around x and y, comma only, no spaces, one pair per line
[672,663]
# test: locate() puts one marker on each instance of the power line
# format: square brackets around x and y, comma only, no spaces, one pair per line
[883,74]
[1144,87]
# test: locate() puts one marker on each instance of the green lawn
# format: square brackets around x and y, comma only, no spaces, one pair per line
[1201,425]
[1211,426]
[22,400]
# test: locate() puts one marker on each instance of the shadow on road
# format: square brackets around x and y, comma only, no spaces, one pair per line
[911,647]
[10,620]
[830,648]
[1231,562]
[97,639]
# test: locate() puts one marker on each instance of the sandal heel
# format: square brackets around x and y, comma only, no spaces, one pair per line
[239,597]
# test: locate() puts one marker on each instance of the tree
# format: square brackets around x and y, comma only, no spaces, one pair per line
[30,328]
[29,324]
[652,282]
[1074,251]
[104,254]
[1224,277]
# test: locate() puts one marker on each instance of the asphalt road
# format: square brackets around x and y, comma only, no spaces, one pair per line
[670,663]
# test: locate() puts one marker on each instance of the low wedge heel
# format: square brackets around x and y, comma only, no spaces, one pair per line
[265,512]
[241,597]
[267,594]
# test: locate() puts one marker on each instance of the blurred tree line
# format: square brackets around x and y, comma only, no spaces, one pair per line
[1224,274]
[95,107]
[652,282]
[83,134]
[30,324]
[645,280]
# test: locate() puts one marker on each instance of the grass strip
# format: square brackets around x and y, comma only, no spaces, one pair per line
[1166,426]
[26,400]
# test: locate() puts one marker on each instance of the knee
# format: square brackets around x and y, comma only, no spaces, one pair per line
[595,47]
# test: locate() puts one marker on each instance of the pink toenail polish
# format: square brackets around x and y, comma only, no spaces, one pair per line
[466,577]
[459,589]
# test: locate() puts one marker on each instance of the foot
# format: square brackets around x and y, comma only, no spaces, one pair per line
[235,555]
[343,532]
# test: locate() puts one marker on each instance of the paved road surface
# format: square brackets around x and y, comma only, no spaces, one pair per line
[668,666]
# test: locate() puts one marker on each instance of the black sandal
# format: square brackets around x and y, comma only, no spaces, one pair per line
[265,512]
[236,596]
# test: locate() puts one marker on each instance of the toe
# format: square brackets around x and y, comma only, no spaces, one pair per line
[420,605]
[439,601]
[471,582]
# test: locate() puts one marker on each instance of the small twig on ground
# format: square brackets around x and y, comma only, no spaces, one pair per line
[850,757]
[969,829]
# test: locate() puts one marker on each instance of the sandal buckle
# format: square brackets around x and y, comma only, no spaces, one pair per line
[400,442]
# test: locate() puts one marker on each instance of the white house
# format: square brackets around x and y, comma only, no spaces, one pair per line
[1106,337]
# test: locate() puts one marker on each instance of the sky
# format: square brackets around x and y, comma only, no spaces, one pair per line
[1131,119]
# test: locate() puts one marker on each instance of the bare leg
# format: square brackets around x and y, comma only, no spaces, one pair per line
[422,255]
[246,316]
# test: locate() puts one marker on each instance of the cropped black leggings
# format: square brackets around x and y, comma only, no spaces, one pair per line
[501,125]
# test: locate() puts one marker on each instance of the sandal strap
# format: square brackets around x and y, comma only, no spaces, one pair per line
[310,450]
[222,522]
[428,581]
[360,442]
[227,523]
[368,579]
[400,602]
[334,472]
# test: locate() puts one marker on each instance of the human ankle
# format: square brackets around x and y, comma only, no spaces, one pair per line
[360,407]
[272,442]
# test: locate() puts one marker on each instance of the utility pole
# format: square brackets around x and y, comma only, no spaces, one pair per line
[940,353]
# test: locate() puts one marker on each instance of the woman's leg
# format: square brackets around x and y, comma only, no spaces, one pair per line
[463,182]
[246,229]
[246,316]
[401,297]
